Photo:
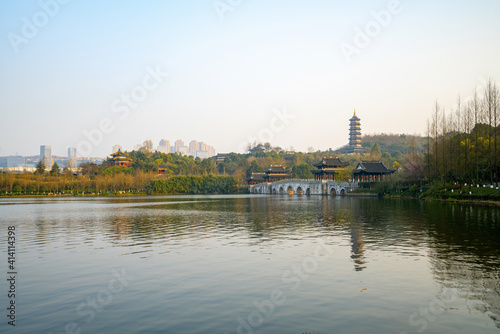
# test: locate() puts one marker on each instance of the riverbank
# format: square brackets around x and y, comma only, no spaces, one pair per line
[441,191]
[117,194]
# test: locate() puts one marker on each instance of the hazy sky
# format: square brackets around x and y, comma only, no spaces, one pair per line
[221,71]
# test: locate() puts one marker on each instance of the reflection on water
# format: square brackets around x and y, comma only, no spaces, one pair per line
[465,254]
[200,262]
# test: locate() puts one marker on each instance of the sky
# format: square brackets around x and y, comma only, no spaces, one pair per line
[92,74]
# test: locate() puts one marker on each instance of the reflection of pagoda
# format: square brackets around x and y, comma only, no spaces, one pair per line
[120,159]
[354,135]
[357,250]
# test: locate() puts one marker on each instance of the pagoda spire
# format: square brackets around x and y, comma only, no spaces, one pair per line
[355,145]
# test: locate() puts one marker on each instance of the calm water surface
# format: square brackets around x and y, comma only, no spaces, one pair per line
[252,264]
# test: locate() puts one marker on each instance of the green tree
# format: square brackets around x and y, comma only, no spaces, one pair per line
[208,166]
[302,171]
[89,169]
[375,152]
[118,169]
[40,168]
[55,170]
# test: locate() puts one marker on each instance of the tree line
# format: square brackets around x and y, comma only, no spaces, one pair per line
[209,184]
[462,143]
[104,178]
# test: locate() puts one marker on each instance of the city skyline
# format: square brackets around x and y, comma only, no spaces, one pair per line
[288,72]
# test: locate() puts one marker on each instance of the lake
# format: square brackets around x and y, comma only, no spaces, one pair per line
[250,264]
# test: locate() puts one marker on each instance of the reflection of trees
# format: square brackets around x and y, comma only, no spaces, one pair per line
[464,250]
[461,240]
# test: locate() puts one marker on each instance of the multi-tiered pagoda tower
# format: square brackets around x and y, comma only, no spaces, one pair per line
[355,135]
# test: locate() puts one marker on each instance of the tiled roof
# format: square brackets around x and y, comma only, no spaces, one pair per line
[277,175]
[276,169]
[331,163]
[257,177]
[119,153]
[372,167]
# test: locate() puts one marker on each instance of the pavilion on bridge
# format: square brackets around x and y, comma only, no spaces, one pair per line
[328,167]
[256,178]
[274,173]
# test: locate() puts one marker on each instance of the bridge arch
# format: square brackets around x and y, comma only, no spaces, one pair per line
[282,192]
[333,192]
[308,191]
[274,191]
[299,191]
[342,192]
[289,190]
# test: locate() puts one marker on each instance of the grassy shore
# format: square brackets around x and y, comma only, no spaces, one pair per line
[441,191]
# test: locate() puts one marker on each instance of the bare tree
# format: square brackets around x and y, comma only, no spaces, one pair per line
[496,111]
[489,106]
[467,125]
[428,133]
[476,111]
[435,132]
[444,130]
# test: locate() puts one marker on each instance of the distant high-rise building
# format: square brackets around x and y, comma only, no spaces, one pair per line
[15,161]
[183,150]
[116,147]
[148,144]
[193,147]
[178,144]
[210,151]
[46,155]
[71,157]
[201,154]
[354,135]
[164,146]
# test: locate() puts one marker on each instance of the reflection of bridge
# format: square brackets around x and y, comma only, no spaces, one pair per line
[304,187]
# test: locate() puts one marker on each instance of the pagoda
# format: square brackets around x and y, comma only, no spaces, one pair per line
[120,159]
[355,135]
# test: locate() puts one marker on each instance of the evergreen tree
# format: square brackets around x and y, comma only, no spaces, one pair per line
[40,168]
[375,153]
[55,171]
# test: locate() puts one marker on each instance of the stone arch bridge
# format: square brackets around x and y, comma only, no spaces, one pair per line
[304,187]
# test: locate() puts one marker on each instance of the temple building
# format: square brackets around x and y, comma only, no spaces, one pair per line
[120,159]
[371,171]
[256,178]
[162,169]
[274,173]
[355,135]
[327,168]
